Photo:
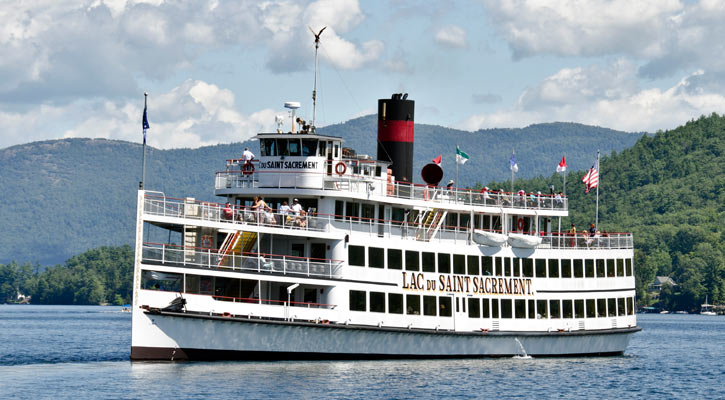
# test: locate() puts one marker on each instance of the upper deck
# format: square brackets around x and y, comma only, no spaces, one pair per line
[295,162]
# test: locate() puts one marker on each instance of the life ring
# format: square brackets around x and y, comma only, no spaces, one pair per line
[520,224]
[248,168]
[340,168]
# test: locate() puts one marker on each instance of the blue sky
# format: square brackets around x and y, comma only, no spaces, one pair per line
[219,71]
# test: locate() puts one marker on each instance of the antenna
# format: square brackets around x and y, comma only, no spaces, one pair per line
[314,90]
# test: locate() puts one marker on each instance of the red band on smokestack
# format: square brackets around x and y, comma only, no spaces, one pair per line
[396,131]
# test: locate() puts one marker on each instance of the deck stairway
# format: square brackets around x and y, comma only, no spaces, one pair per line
[236,243]
[429,222]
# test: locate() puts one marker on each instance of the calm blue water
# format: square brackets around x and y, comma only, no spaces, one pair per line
[79,352]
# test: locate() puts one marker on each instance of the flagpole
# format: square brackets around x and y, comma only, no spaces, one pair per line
[511,167]
[143,163]
[599,172]
[458,184]
[566,172]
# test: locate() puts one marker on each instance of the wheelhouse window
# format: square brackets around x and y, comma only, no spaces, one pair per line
[268,147]
[357,300]
[309,147]
[294,148]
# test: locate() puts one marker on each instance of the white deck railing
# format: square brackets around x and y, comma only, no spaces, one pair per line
[161,253]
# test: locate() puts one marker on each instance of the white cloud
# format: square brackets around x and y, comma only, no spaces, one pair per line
[451,36]
[604,96]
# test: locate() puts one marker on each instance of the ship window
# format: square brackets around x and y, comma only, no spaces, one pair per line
[395,303]
[532,310]
[494,308]
[473,265]
[412,261]
[357,300]
[356,255]
[578,308]
[485,308]
[630,305]
[628,263]
[541,308]
[589,268]
[163,281]
[528,267]
[474,307]
[395,259]
[337,150]
[459,264]
[516,266]
[268,147]
[601,308]
[444,263]
[464,220]
[612,307]
[377,302]
[498,263]
[376,257]
[567,309]
[506,308]
[412,304]
[445,308]
[282,147]
[352,210]
[368,213]
[591,309]
[621,308]
[520,309]
[294,147]
[451,220]
[429,262]
[555,308]
[553,268]
[578,269]
[486,266]
[620,266]
[600,268]
[322,149]
[398,216]
[309,147]
[339,209]
[227,288]
[191,283]
[429,305]
[540,268]
[506,266]
[610,268]
[566,268]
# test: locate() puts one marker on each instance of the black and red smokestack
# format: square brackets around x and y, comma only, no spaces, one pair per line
[395,134]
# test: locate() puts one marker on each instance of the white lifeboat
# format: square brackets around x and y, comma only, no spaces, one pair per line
[523,241]
[487,238]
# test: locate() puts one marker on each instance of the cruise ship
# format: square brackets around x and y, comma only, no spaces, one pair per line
[346,257]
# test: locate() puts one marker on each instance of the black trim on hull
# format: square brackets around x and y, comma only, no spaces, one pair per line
[168,354]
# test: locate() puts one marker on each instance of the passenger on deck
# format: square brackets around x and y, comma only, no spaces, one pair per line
[559,200]
[299,213]
[592,230]
[247,157]
[228,212]
[284,212]
[572,234]
[261,209]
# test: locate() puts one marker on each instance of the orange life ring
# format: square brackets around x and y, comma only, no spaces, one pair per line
[520,224]
[248,168]
[340,168]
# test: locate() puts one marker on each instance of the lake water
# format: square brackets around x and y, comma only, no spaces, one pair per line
[78,352]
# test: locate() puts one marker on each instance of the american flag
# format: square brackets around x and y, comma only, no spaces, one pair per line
[591,179]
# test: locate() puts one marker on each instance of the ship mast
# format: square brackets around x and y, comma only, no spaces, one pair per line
[314,90]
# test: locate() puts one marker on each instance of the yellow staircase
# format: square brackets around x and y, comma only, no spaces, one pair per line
[237,243]
[431,223]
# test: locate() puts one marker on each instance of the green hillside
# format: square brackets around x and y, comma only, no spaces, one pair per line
[669,190]
[62,197]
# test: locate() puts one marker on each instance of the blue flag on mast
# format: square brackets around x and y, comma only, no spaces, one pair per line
[145,123]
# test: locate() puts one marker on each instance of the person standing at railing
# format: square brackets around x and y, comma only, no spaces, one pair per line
[284,212]
[228,212]
[299,213]
[559,200]
[572,234]
[247,157]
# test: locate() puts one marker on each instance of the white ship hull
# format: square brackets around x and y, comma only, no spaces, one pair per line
[183,336]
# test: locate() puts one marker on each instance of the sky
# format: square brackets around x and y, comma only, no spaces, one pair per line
[220,71]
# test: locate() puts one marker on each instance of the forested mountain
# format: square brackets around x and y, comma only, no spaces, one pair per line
[669,190]
[62,197]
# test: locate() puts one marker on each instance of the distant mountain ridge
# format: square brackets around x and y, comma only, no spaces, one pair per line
[65,196]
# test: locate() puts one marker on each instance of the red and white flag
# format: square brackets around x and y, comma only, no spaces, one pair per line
[438,159]
[562,165]
[591,179]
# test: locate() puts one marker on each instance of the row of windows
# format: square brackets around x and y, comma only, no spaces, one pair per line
[442,306]
[412,260]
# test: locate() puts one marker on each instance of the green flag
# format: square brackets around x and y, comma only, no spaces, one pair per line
[461,157]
